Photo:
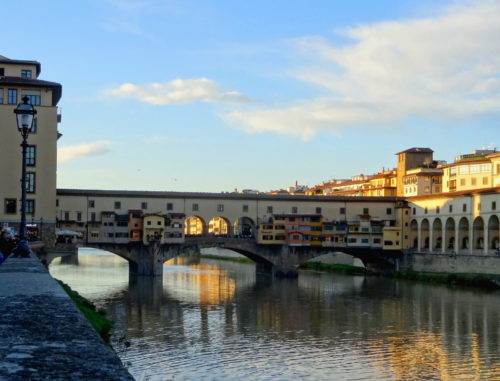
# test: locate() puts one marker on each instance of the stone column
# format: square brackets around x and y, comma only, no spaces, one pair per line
[486,238]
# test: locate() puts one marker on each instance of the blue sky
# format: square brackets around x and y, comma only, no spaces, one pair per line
[215,95]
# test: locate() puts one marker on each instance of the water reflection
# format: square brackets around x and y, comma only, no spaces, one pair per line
[215,320]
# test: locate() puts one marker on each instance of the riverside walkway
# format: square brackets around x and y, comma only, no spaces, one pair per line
[43,336]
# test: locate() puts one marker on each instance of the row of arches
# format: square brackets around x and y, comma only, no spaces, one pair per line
[219,226]
[451,236]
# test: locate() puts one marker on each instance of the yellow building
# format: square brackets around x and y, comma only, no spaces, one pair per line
[19,78]
[421,181]
[470,172]
[154,228]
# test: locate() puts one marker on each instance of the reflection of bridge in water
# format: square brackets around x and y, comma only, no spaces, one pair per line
[280,260]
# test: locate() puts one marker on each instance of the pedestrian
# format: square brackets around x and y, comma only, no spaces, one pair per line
[7,244]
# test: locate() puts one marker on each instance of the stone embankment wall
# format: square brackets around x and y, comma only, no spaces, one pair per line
[43,336]
[452,263]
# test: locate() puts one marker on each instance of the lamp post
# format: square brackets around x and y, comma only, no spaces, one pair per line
[25,113]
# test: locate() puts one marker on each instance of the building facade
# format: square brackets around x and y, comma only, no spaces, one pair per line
[20,78]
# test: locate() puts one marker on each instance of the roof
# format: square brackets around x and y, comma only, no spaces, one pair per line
[416,150]
[6,60]
[466,192]
[18,81]
[221,196]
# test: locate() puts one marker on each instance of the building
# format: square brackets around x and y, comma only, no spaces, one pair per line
[20,78]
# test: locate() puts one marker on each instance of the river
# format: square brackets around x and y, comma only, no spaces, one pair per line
[216,320]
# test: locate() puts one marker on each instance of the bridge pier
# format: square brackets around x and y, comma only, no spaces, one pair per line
[148,261]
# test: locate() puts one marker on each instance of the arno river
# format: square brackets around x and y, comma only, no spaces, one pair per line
[216,320]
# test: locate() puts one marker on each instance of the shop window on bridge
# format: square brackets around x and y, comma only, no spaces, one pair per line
[118,205]
[245,208]
[269,209]
[342,210]
[386,243]
[220,207]
[377,240]
[195,207]
[144,205]
[170,206]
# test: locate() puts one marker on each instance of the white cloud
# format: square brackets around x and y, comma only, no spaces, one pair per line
[68,153]
[446,66]
[179,91]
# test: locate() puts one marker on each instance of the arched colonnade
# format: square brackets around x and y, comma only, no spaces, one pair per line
[455,235]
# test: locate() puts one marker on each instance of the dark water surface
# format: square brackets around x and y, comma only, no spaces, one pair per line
[216,320]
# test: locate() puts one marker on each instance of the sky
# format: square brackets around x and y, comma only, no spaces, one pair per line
[209,96]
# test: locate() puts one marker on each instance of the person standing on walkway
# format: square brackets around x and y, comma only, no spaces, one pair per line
[7,244]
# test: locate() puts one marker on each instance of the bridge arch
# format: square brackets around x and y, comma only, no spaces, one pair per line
[424,234]
[449,234]
[219,226]
[493,233]
[478,233]
[414,234]
[437,234]
[244,227]
[194,225]
[463,234]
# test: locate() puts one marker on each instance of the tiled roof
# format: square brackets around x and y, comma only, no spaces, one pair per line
[417,150]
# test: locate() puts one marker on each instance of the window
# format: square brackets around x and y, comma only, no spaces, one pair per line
[30,182]
[12,96]
[91,204]
[425,210]
[388,211]
[118,205]
[450,208]
[66,216]
[464,207]
[269,209]
[144,205]
[1,96]
[473,181]
[342,210]
[158,222]
[33,96]
[438,209]
[414,211]
[26,74]
[31,156]
[318,210]
[377,240]
[170,206]
[78,216]
[474,168]
[220,207]
[485,180]
[195,207]
[57,202]
[486,168]
[30,207]
[366,211]
[462,182]
[92,216]
[2,72]
[295,209]
[493,205]
[10,206]
[148,223]
[245,208]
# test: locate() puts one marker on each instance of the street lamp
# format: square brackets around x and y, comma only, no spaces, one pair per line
[25,114]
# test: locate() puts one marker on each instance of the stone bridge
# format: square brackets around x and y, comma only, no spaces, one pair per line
[279,260]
